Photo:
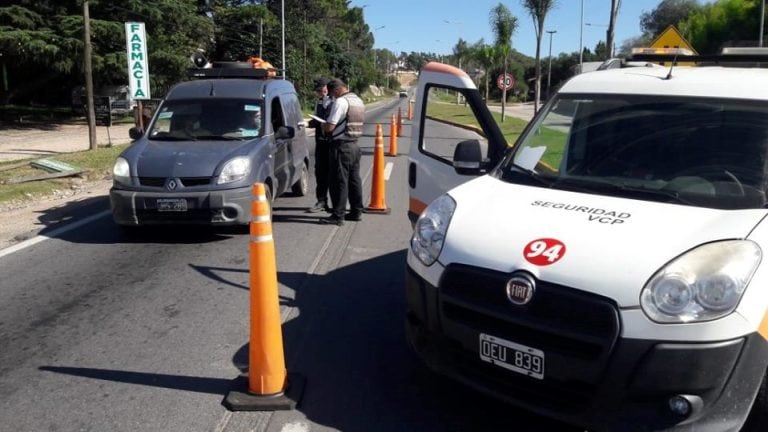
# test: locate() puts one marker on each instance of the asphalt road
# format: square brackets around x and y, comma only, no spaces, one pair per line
[106,331]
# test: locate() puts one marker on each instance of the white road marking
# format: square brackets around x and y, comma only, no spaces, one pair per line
[295,427]
[388,170]
[54,233]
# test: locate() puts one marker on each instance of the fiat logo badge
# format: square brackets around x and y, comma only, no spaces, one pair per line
[520,290]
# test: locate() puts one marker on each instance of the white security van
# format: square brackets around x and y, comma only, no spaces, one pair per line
[607,268]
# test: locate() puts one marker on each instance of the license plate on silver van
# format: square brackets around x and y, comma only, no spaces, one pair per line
[171,205]
[512,356]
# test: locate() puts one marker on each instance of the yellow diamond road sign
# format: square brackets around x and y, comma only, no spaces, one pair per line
[671,38]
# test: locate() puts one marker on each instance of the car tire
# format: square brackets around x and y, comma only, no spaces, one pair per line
[301,187]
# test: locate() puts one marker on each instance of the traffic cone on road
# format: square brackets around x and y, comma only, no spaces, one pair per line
[378,192]
[410,109]
[393,137]
[269,387]
[399,122]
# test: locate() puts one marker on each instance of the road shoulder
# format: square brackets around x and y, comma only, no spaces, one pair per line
[21,221]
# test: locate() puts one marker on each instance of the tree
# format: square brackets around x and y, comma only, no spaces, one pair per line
[485,55]
[538,10]
[503,25]
[42,44]
[667,13]
[725,22]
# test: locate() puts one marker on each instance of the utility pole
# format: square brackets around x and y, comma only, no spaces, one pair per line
[88,77]
[282,19]
[549,71]
[615,5]
[762,22]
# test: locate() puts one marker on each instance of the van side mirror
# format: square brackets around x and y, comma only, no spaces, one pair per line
[468,157]
[285,132]
[135,133]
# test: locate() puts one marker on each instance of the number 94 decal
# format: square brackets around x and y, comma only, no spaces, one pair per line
[544,251]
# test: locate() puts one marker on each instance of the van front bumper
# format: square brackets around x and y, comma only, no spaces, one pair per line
[218,207]
[592,377]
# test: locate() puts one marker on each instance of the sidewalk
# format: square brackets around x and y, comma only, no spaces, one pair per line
[23,141]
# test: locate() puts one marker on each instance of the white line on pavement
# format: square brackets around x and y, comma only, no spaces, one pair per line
[56,232]
[388,170]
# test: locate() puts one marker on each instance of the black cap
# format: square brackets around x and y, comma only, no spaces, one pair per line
[332,84]
[320,83]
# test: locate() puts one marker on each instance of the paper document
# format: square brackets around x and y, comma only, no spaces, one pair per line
[317,118]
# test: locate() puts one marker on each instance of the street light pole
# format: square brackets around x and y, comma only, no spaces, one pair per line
[549,71]
[581,39]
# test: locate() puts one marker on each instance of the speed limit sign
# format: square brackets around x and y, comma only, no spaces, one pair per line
[505,81]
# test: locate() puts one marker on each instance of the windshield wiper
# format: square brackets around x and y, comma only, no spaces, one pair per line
[632,191]
[172,138]
[218,138]
[526,173]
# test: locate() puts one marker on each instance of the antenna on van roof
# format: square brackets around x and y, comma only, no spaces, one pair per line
[674,62]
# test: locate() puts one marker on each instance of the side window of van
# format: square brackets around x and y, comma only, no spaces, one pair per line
[292,109]
[449,121]
[277,119]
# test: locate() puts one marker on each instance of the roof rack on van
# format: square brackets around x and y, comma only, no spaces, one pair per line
[728,55]
[254,67]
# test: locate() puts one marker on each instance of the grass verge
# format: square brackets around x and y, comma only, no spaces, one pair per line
[97,165]
[511,127]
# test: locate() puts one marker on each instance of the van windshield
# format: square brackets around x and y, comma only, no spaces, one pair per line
[691,151]
[208,119]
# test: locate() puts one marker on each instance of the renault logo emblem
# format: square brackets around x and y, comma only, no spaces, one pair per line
[172,184]
[520,290]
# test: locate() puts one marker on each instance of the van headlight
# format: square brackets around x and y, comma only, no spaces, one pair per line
[121,171]
[234,170]
[705,283]
[429,234]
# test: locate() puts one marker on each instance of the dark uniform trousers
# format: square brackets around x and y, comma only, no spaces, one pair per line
[322,162]
[345,177]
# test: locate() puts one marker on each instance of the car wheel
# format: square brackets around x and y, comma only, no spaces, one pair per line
[301,187]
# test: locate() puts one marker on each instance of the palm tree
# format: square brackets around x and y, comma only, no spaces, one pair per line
[538,9]
[485,55]
[460,50]
[503,25]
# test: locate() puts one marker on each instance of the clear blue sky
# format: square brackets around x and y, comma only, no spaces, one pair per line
[420,25]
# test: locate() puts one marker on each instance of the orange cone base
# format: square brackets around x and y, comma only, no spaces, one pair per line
[240,399]
[377,211]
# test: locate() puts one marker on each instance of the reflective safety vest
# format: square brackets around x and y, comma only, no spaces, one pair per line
[353,122]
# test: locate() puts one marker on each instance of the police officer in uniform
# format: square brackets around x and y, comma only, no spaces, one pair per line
[322,144]
[344,125]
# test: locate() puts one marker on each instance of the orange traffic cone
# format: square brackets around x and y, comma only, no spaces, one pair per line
[393,137]
[377,204]
[269,386]
[410,109]
[399,122]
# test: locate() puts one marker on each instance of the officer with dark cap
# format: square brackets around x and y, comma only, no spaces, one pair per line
[322,144]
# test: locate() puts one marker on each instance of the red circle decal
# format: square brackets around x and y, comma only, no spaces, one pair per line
[544,251]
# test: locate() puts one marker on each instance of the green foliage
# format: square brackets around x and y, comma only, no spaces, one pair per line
[667,13]
[42,44]
[722,23]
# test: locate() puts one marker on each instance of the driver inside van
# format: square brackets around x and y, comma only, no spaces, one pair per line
[251,121]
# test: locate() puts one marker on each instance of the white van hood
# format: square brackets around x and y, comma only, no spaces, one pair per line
[612,246]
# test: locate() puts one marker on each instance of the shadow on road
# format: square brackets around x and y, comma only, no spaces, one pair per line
[347,340]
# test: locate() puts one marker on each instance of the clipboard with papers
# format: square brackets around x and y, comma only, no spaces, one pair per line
[317,118]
